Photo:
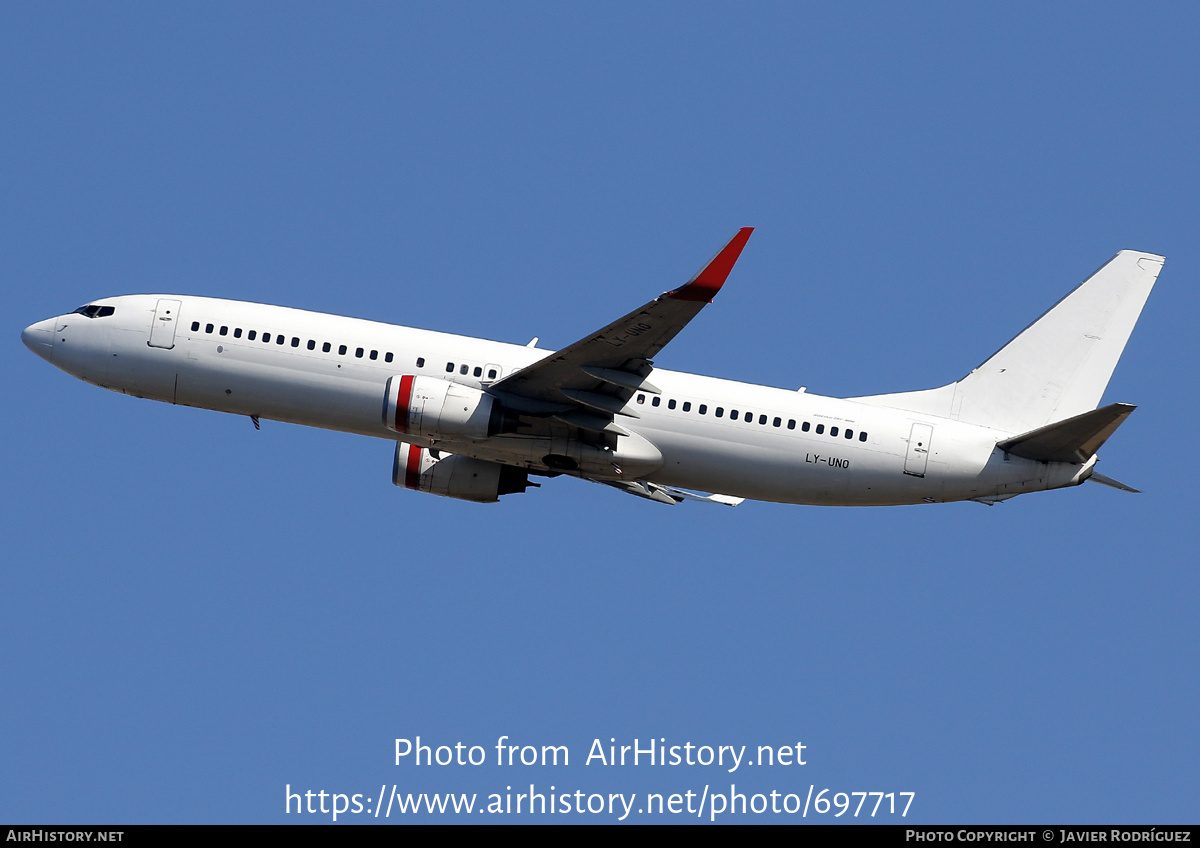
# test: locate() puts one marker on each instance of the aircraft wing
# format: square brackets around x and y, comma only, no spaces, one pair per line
[586,383]
[667,494]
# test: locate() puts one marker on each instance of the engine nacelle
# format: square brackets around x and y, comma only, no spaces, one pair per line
[454,476]
[432,407]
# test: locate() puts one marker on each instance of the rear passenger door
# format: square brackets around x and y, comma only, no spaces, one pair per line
[918,450]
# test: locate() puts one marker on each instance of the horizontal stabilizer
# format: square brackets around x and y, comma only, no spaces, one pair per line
[1074,440]
[1116,484]
[992,500]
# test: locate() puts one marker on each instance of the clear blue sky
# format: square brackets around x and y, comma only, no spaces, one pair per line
[194,614]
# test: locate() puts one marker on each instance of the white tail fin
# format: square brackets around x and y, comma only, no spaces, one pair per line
[1056,368]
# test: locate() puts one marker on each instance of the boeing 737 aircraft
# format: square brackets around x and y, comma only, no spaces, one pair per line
[475,419]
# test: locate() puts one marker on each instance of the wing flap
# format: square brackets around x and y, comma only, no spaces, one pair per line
[596,423]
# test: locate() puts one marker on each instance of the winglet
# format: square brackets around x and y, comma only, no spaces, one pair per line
[705,285]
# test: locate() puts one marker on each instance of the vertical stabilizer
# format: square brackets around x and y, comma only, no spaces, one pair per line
[1059,366]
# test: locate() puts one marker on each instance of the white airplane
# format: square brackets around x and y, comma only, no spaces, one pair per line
[474,419]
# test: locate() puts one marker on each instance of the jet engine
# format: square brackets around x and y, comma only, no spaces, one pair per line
[462,477]
[431,407]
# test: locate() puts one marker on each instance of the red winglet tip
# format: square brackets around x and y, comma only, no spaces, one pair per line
[705,285]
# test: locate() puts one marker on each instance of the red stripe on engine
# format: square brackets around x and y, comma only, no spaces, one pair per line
[403,398]
[412,468]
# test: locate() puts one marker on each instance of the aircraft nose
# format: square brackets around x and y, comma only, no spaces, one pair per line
[39,338]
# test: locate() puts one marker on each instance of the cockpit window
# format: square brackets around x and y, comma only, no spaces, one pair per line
[93,310]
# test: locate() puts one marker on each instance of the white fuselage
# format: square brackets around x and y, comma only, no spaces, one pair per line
[330,371]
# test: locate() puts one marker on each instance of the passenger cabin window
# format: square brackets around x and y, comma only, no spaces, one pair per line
[420,362]
[805,426]
[341,350]
[657,400]
[477,371]
[720,411]
[750,417]
[687,406]
[387,357]
[820,429]
[358,353]
[791,423]
[849,434]
[862,437]
[326,347]
[462,369]
[295,341]
[762,419]
[671,403]
[195,326]
[703,410]
[641,398]
[224,331]
[279,338]
[250,335]
[312,345]
[449,367]
[833,431]
[491,373]
[208,328]
[237,334]
[374,354]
